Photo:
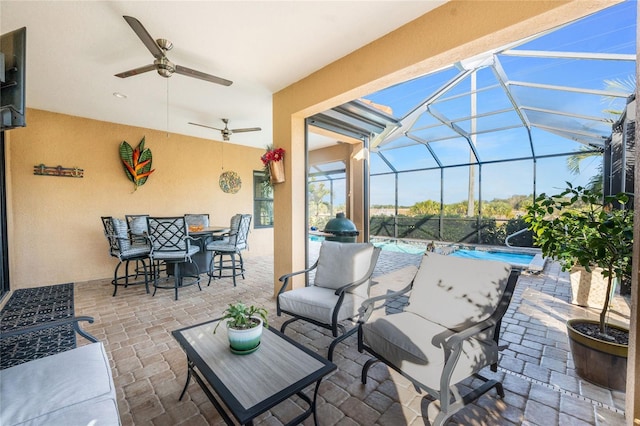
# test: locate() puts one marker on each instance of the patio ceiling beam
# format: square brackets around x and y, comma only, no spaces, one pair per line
[426,144]
[455,128]
[502,78]
[568,114]
[571,55]
[467,118]
[450,166]
[498,129]
[574,132]
[412,116]
[386,161]
[606,93]
[467,93]
[418,140]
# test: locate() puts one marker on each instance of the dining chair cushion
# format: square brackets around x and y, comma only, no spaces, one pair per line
[177,254]
[138,225]
[222,247]
[340,264]
[122,233]
[318,303]
[135,250]
[456,301]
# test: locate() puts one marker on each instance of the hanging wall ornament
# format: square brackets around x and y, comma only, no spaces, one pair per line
[230,182]
[136,162]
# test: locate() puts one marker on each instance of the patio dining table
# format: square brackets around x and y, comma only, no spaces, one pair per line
[201,236]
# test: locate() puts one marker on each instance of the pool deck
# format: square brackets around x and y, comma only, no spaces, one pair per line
[536,368]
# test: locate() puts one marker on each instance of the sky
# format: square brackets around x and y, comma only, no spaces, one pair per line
[609,31]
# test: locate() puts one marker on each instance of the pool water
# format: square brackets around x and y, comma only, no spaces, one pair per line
[398,247]
[513,258]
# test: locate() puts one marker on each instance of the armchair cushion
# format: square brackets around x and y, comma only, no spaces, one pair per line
[457,301]
[318,303]
[340,264]
[414,344]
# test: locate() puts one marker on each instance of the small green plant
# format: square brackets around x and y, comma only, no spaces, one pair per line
[239,316]
[581,227]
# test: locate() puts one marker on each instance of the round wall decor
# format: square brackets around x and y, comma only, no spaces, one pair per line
[230,182]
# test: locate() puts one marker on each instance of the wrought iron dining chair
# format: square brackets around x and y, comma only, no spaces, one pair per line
[171,243]
[223,260]
[198,220]
[126,251]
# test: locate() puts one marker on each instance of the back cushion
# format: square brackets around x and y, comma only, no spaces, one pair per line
[138,225]
[456,292]
[122,233]
[342,263]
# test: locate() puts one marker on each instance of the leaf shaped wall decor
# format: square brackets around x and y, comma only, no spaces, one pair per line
[136,162]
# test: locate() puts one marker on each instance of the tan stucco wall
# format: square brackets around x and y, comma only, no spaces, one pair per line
[55,233]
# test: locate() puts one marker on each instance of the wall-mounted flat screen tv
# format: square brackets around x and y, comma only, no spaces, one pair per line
[13,49]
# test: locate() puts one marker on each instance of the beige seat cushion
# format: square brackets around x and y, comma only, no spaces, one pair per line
[412,344]
[318,303]
[456,292]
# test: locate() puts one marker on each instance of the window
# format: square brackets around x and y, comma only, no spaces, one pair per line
[262,201]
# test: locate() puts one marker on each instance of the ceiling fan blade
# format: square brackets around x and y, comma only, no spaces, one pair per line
[248,129]
[208,127]
[136,71]
[202,76]
[144,35]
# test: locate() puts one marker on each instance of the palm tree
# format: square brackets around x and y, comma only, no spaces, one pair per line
[627,85]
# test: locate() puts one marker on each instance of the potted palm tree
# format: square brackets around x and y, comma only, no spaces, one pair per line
[244,327]
[583,230]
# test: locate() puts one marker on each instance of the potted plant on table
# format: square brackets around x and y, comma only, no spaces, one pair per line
[589,235]
[244,327]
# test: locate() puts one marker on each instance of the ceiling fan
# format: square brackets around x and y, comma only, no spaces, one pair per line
[162,64]
[227,132]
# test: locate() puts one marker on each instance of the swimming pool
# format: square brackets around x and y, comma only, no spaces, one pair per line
[399,247]
[518,259]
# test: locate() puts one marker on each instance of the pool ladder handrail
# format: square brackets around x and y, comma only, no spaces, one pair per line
[506,240]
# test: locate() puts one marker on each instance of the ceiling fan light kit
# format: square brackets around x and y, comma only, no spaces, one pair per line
[162,64]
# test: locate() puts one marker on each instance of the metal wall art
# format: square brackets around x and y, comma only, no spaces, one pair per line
[230,182]
[136,162]
[59,171]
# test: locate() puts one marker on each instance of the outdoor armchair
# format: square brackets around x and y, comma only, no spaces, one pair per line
[448,331]
[342,281]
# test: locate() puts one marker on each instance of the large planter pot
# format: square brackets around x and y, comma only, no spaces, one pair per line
[597,361]
[244,341]
[588,289]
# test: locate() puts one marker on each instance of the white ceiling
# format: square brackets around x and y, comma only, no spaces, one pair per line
[74,48]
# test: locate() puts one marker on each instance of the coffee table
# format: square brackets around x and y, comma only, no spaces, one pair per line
[249,385]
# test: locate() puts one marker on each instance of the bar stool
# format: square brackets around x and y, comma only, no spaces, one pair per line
[233,244]
[126,251]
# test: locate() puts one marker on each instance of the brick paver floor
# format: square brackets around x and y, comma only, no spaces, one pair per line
[149,367]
